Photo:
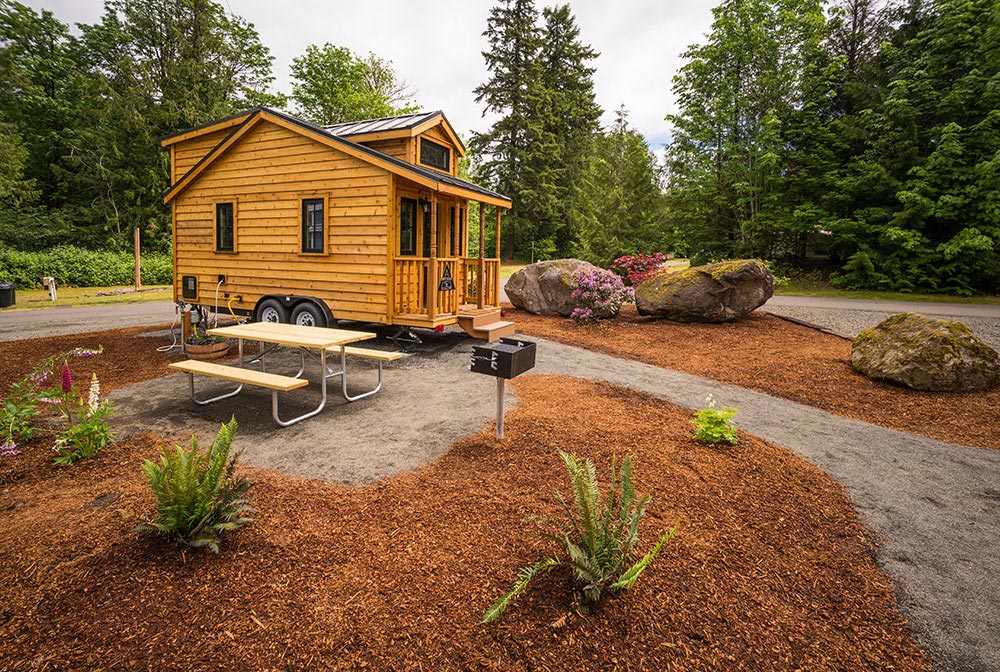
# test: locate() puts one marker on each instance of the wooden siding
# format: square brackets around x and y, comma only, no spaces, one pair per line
[190,152]
[268,173]
[398,148]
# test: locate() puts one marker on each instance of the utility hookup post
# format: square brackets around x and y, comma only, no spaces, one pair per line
[500,391]
[504,359]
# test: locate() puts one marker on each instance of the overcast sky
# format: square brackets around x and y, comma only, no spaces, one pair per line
[436,46]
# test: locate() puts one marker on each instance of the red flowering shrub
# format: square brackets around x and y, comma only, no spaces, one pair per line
[634,269]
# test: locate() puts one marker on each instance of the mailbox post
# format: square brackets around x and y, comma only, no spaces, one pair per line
[507,358]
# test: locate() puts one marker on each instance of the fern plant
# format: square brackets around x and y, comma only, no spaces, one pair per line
[597,539]
[197,497]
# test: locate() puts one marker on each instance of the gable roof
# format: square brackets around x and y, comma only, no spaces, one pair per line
[404,125]
[244,122]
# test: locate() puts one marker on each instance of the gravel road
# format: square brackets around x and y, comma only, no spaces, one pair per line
[18,324]
[849,317]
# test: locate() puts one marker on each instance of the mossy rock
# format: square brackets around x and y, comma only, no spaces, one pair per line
[924,353]
[721,292]
[546,287]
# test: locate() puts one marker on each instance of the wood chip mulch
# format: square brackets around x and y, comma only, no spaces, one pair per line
[786,360]
[771,569]
[127,357]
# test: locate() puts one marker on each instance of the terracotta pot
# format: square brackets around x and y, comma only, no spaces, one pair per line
[208,350]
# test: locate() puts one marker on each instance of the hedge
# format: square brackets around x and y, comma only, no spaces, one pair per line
[76,267]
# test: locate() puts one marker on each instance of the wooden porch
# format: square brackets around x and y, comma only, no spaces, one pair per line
[413,277]
[433,280]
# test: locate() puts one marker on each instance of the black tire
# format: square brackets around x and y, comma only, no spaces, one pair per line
[271,310]
[308,314]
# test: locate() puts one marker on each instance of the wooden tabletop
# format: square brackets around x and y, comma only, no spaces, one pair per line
[292,334]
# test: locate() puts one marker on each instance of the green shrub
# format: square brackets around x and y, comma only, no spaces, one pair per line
[712,424]
[598,537]
[85,436]
[197,498]
[77,267]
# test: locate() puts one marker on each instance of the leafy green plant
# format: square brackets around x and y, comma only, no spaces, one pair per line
[597,538]
[18,411]
[83,438]
[197,497]
[86,431]
[713,424]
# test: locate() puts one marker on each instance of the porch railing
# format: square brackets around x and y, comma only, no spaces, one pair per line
[410,284]
[490,282]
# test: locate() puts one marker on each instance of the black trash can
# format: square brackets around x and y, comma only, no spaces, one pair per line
[7,297]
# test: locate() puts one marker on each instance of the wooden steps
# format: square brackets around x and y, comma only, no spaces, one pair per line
[484,323]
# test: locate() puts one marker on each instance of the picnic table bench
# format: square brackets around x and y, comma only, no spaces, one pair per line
[304,339]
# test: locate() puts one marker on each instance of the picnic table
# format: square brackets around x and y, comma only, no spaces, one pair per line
[315,342]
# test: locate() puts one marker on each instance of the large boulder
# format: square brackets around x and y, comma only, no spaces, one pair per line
[722,292]
[546,287]
[926,354]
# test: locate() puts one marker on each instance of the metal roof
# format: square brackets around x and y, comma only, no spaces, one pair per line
[400,123]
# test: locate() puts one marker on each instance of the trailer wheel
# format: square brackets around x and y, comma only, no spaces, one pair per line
[271,310]
[308,315]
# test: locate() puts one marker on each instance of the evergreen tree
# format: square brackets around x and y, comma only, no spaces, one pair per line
[40,73]
[541,85]
[933,150]
[513,154]
[572,118]
[726,153]
[331,85]
[626,208]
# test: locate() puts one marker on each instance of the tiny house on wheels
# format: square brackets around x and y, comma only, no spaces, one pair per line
[288,221]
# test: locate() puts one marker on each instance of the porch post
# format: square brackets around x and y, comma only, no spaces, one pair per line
[480,284]
[498,234]
[454,233]
[432,271]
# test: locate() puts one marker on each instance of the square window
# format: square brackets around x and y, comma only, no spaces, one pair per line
[312,225]
[225,238]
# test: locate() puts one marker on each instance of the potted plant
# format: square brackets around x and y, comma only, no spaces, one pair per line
[203,346]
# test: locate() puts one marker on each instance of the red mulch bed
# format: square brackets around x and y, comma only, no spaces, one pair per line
[771,569]
[787,360]
[127,358]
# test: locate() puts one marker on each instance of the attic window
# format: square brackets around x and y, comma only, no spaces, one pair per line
[434,155]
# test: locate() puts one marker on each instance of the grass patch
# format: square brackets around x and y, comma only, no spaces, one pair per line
[507,270]
[799,287]
[34,299]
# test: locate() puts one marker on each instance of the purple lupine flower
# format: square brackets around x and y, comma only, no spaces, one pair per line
[83,352]
[67,379]
[9,449]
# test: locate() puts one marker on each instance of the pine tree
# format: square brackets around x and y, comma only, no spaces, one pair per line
[572,118]
[626,208]
[512,154]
